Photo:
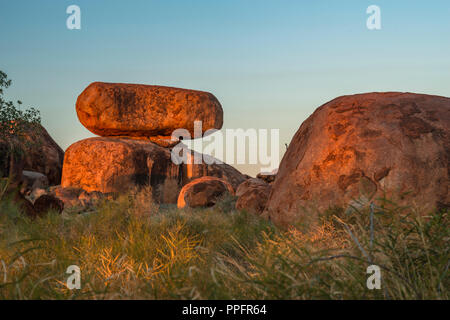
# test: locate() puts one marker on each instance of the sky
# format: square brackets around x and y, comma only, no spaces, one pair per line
[270,63]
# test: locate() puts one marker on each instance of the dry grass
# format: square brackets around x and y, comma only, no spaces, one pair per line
[131,249]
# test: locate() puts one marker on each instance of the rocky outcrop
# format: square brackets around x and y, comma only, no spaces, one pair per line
[113,165]
[33,180]
[136,123]
[38,152]
[133,110]
[253,195]
[366,145]
[203,192]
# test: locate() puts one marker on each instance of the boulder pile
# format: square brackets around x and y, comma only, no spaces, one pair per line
[136,123]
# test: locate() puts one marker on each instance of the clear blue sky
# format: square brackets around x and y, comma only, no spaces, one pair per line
[270,63]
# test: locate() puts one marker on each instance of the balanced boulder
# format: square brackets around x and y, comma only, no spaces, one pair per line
[134,110]
[368,145]
[203,192]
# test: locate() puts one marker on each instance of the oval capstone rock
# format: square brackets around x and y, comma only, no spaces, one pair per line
[135,110]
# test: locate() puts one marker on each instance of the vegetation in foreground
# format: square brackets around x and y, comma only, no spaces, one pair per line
[131,249]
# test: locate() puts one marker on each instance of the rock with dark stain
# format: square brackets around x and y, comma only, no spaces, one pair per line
[117,165]
[136,110]
[392,143]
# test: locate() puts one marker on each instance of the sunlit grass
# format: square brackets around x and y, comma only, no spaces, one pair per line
[131,249]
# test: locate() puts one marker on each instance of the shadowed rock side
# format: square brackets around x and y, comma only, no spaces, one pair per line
[363,145]
[112,165]
[40,154]
[203,192]
[46,202]
[44,156]
[253,195]
[133,110]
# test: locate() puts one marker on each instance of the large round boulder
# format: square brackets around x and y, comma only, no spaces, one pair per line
[134,110]
[203,192]
[366,146]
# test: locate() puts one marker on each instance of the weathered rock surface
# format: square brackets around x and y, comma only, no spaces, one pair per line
[44,155]
[366,143]
[113,165]
[203,192]
[33,180]
[253,195]
[40,153]
[46,202]
[133,110]
[69,196]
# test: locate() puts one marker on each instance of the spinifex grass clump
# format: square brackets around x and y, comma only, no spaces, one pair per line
[131,249]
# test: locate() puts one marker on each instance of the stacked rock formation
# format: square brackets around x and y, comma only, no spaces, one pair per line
[136,123]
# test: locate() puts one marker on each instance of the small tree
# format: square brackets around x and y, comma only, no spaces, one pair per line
[15,125]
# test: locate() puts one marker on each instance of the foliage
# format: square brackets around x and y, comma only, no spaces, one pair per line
[15,124]
[128,249]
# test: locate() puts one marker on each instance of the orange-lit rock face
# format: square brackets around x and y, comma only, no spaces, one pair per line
[110,165]
[364,144]
[116,109]
[115,165]
[203,192]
